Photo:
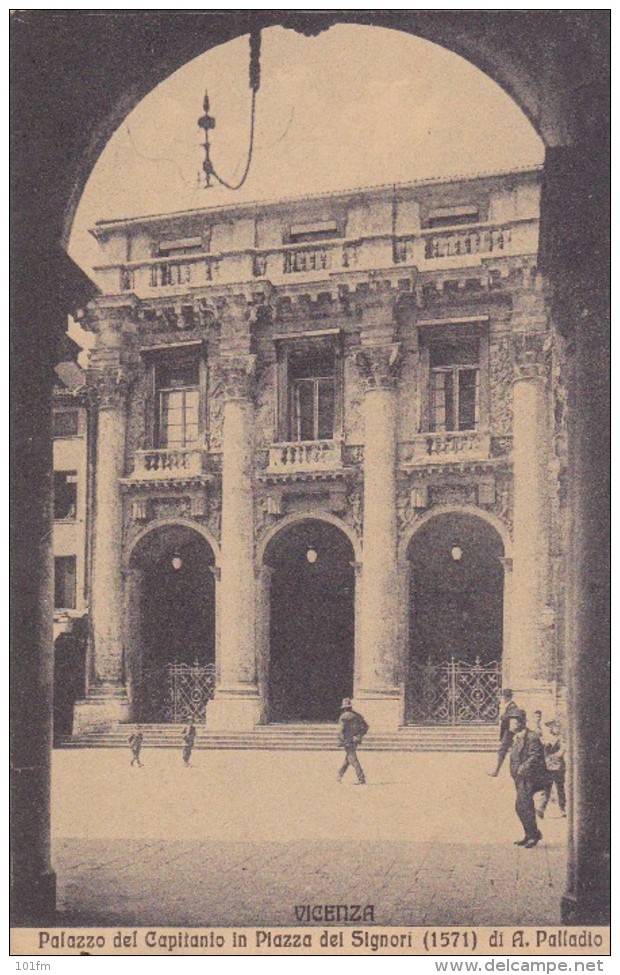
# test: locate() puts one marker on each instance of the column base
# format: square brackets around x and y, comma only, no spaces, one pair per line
[583,911]
[33,899]
[383,710]
[104,709]
[535,696]
[234,709]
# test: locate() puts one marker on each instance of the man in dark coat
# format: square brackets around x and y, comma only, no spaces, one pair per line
[351,729]
[529,772]
[135,744]
[189,737]
[511,709]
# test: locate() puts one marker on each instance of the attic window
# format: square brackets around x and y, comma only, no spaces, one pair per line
[452,216]
[320,230]
[183,245]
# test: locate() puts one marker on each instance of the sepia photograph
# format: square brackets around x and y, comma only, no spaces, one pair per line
[310,384]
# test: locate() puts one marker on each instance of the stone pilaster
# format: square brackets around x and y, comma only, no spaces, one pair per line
[109,380]
[376,690]
[530,666]
[236,704]
[506,623]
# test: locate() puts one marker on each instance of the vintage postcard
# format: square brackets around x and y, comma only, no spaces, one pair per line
[310,358]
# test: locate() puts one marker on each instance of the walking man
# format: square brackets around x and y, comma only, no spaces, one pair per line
[511,709]
[529,772]
[351,729]
[189,737]
[135,744]
[555,760]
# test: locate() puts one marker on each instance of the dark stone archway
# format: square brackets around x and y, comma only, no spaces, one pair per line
[456,594]
[172,615]
[68,97]
[312,622]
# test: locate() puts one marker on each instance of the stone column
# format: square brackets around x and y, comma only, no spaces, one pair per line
[377,692]
[263,615]
[107,702]
[33,882]
[236,705]
[531,668]
[574,255]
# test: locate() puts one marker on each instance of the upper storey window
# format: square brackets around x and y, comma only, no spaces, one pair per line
[312,395]
[320,230]
[178,401]
[455,381]
[180,247]
[452,216]
[66,423]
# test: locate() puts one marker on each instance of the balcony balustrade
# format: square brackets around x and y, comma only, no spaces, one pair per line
[310,259]
[314,455]
[178,462]
[426,249]
[473,240]
[450,448]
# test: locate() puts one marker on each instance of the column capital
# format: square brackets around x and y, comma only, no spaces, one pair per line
[108,386]
[380,365]
[530,355]
[238,375]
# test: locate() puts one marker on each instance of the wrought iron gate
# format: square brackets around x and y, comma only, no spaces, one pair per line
[176,693]
[190,687]
[454,692]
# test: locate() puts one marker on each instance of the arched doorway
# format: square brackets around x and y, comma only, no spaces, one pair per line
[171,625]
[311,621]
[455,621]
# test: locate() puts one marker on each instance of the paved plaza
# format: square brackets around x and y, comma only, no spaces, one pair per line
[241,837]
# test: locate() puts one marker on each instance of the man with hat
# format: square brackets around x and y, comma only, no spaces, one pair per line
[505,736]
[529,772]
[555,760]
[351,729]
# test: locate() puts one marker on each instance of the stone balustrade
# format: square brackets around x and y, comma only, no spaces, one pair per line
[288,458]
[471,240]
[433,448]
[444,247]
[154,464]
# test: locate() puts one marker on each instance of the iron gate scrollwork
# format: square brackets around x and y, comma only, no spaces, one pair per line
[176,692]
[190,688]
[455,692]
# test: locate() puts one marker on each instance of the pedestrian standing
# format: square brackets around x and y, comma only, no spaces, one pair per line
[135,744]
[351,729]
[511,709]
[529,772]
[537,727]
[555,760]
[189,737]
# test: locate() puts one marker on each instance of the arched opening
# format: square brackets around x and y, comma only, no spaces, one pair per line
[97,94]
[171,625]
[311,621]
[455,621]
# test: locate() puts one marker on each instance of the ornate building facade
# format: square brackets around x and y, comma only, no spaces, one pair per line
[330,460]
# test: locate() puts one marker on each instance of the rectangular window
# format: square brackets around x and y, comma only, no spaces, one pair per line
[452,216]
[312,395]
[178,402]
[64,582]
[65,423]
[455,387]
[65,495]
[320,230]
